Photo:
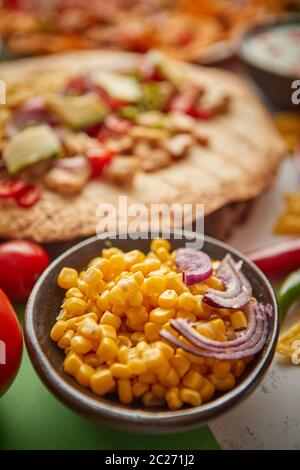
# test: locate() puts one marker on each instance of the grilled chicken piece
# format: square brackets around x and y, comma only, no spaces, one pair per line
[122,169]
[179,145]
[67,180]
[151,158]
[78,144]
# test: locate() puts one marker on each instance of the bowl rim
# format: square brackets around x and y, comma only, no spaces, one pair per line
[86,405]
[263,25]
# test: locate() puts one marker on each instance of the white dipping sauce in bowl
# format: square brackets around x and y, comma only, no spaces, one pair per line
[276,50]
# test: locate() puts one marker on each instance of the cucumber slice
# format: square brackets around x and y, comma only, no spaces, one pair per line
[78,112]
[118,86]
[30,146]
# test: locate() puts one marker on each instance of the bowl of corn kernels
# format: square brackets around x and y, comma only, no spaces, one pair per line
[149,335]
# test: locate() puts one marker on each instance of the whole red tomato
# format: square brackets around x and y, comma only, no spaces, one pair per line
[21,263]
[11,343]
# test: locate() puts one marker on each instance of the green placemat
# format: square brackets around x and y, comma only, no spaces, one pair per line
[32,418]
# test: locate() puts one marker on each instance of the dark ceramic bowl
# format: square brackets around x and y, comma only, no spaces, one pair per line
[276,87]
[44,304]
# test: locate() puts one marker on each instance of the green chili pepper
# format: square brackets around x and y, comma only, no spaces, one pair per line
[288,293]
[152,98]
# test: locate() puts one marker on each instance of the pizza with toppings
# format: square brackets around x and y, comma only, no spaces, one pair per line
[80,129]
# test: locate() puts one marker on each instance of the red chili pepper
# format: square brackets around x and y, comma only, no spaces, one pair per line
[187,104]
[11,343]
[113,125]
[12,188]
[98,160]
[279,259]
[21,264]
[30,196]
[184,39]
[112,103]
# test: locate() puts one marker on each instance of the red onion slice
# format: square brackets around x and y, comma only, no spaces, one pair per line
[224,350]
[195,265]
[238,289]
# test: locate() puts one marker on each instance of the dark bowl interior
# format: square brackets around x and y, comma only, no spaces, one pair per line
[44,304]
[276,87]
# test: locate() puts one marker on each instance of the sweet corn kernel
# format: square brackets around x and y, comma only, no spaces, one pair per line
[137,315]
[186,314]
[72,364]
[103,302]
[123,354]
[192,379]
[81,345]
[167,326]
[120,310]
[190,396]
[73,292]
[75,306]
[155,285]
[167,298]
[215,283]
[120,371]
[84,375]
[137,366]
[65,340]
[181,364]
[93,277]
[124,391]
[128,285]
[174,282]
[102,382]
[107,350]
[135,299]
[218,326]
[141,347]
[238,320]
[151,330]
[173,398]
[117,296]
[92,360]
[124,340]
[207,390]
[67,278]
[197,360]
[137,337]
[138,276]
[72,323]
[161,315]
[104,266]
[109,252]
[227,383]
[238,368]
[186,301]
[169,379]
[158,390]
[111,319]
[58,330]
[148,378]
[107,331]
[153,358]
[166,349]
[133,257]
[162,253]
[206,330]
[117,264]
[88,328]
[151,400]
[160,243]
[138,389]
[220,369]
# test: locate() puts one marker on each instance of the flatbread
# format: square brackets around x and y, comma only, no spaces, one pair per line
[241,161]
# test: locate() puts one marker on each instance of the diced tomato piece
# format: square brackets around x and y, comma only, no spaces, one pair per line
[99,159]
[184,39]
[30,197]
[117,124]
[78,85]
[186,104]
[12,188]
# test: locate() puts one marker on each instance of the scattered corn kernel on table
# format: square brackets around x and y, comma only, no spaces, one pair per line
[31,418]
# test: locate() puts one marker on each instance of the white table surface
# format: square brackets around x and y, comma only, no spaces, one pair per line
[270,417]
